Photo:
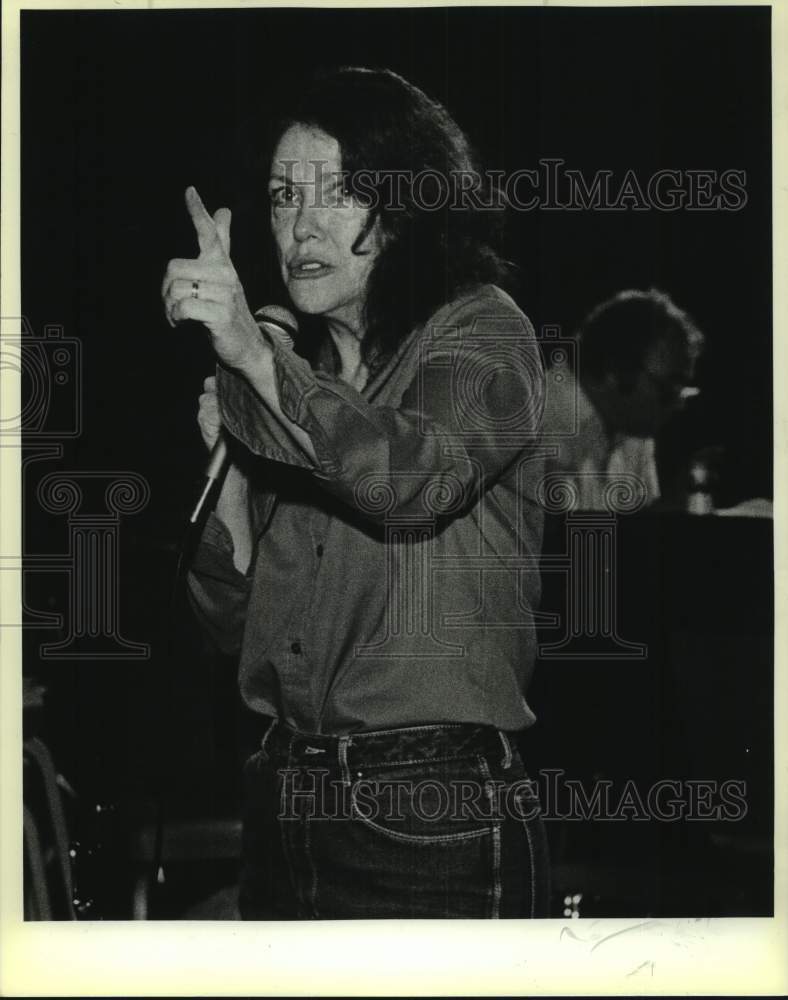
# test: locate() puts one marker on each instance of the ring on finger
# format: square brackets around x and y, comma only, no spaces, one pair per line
[195,289]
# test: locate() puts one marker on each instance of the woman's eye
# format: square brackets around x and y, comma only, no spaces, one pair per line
[282,197]
[348,193]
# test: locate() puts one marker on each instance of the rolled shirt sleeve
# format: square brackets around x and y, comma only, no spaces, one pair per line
[473,404]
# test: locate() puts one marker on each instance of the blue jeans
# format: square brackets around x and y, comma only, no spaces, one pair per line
[429,821]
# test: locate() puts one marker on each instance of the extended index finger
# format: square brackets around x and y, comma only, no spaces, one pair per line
[207,234]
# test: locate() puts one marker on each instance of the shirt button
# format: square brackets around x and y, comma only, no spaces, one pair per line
[296,648]
[319,551]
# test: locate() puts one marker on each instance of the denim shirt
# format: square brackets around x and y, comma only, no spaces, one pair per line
[394,578]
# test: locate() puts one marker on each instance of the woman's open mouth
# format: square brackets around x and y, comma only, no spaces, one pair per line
[309,269]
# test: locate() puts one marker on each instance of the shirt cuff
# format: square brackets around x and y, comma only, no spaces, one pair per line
[248,418]
[213,557]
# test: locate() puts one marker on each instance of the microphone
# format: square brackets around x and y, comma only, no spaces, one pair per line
[282,326]
[279,322]
[213,473]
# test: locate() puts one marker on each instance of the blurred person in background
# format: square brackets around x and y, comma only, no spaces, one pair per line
[635,363]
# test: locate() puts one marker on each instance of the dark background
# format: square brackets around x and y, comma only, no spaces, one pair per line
[121,111]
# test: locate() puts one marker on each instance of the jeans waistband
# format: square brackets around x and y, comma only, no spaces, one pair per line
[408,745]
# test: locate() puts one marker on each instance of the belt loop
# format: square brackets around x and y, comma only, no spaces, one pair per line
[266,735]
[506,763]
[344,742]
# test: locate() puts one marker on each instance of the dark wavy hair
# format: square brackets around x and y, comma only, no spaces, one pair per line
[618,333]
[393,138]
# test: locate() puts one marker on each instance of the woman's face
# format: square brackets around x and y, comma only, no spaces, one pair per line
[315,225]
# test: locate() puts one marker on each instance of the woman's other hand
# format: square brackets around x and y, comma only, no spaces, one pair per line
[208,416]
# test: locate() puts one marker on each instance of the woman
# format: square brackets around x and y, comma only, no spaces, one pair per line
[373,551]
